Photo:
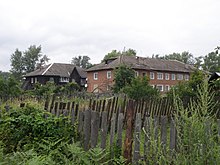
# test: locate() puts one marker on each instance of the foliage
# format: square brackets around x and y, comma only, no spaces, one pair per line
[188,88]
[9,87]
[26,127]
[115,53]
[81,61]
[140,89]
[196,126]
[44,90]
[27,61]
[212,62]
[123,76]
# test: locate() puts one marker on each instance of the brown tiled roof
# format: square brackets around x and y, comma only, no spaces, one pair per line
[145,63]
[56,69]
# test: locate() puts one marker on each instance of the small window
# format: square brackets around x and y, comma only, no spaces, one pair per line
[95,76]
[173,76]
[167,76]
[144,74]
[109,74]
[64,79]
[160,87]
[32,80]
[179,76]
[151,75]
[187,77]
[167,88]
[35,80]
[136,73]
[160,76]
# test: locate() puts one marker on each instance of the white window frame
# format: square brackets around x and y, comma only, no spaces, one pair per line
[167,89]
[95,88]
[173,76]
[32,80]
[95,76]
[159,76]
[167,76]
[187,77]
[152,75]
[179,76]
[159,85]
[64,79]
[109,74]
[35,80]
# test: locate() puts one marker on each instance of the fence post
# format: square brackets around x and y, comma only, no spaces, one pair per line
[129,132]
[136,155]
[94,128]
[87,129]
[164,131]
[104,128]
[147,138]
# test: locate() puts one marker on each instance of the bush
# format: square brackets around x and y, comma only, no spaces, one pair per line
[26,127]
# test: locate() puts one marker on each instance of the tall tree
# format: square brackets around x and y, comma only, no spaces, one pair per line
[17,64]
[123,76]
[212,62]
[31,57]
[81,61]
[42,61]
[184,57]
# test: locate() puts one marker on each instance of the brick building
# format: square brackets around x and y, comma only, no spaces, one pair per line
[163,74]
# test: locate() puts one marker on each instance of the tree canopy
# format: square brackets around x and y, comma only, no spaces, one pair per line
[115,53]
[27,61]
[81,61]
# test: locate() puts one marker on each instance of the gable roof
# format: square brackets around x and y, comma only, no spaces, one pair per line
[56,69]
[144,63]
[81,72]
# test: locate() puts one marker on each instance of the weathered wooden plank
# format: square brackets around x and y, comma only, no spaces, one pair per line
[87,129]
[80,122]
[72,116]
[104,129]
[172,135]
[137,132]
[112,131]
[129,132]
[147,135]
[119,130]
[94,128]
[164,131]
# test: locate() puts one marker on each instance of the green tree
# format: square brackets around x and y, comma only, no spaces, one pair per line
[17,64]
[43,61]
[31,57]
[139,88]
[123,76]
[184,57]
[211,62]
[81,61]
[115,53]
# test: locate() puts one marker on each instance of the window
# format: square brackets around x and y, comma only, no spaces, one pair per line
[108,87]
[144,74]
[95,88]
[173,76]
[35,80]
[64,79]
[167,88]
[151,75]
[179,76]
[187,77]
[95,75]
[109,74]
[136,73]
[167,76]
[160,76]
[160,87]
[32,80]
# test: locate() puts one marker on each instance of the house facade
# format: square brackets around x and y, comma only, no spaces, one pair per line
[58,73]
[163,74]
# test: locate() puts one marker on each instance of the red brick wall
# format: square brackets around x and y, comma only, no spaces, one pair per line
[102,82]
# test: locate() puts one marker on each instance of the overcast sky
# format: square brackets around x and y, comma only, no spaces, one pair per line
[68,28]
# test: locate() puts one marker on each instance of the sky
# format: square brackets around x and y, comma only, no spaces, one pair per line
[69,28]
